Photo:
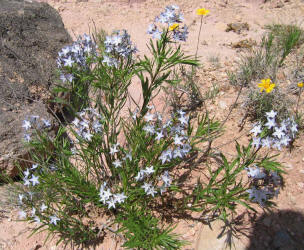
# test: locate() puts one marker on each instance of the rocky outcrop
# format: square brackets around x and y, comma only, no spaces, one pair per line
[31,34]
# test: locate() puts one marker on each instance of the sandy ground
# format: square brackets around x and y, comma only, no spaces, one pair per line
[217,55]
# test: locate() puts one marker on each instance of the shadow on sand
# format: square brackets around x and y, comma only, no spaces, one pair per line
[282,230]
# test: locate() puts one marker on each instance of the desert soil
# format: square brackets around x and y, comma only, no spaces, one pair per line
[217,54]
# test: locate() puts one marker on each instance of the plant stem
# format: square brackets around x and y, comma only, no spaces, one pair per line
[299,97]
[232,107]
[198,38]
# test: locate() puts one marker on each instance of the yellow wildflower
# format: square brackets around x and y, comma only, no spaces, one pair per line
[300,84]
[202,12]
[266,85]
[174,26]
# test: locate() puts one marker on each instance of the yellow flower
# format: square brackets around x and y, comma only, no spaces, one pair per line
[266,85]
[300,84]
[174,26]
[202,12]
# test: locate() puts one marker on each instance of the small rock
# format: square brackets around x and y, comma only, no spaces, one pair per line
[244,44]
[237,27]
[279,5]
[222,105]
[300,184]
[204,43]
[292,199]
[288,166]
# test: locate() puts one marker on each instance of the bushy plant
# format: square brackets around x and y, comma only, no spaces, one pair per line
[74,67]
[265,60]
[134,168]
[258,102]
[286,39]
[260,63]
[263,64]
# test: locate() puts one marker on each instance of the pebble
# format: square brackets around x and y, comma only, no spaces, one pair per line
[292,199]
[288,166]
[300,184]
[222,105]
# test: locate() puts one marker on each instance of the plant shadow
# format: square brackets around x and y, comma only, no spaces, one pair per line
[280,230]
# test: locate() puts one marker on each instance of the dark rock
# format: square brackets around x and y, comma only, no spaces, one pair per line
[31,34]
[244,44]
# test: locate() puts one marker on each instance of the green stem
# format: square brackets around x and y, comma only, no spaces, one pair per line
[198,38]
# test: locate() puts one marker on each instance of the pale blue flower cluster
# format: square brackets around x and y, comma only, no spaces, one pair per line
[259,195]
[148,187]
[33,122]
[170,16]
[36,214]
[173,130]
[115,152]
[30,180]
[266,184]
[75,55]
[119,45]
[181,34]
[281,134]
[87,123]
[110,199]
[165,177]
[27,181]
[255,172]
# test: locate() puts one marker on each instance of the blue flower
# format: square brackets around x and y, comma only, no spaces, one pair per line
[170,15]
[152,30]
[119,44]
[181,34]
